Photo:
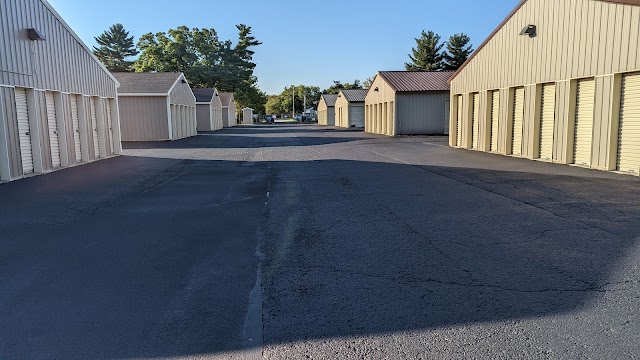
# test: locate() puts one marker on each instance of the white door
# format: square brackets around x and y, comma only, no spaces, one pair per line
[475,121]
[75,119]
[109,125]
[94,127]
[629,132]
[459,122]
[52,122]
[26,151]
[518,119]
[447,115]
[547,121]
[495,119]
[584,122]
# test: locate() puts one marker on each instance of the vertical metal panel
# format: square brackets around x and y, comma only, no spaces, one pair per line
[628,158]
[93,117]
[517,119]
[143,118]
[356,115]
[204,117]
[24,130]
[547,121]
[42,153]
[459,121]
[110,132]
[421,113]
[495,119]
[52,123]
[475,120]
[12,134]
[583,134]
[75,118]
[182,94]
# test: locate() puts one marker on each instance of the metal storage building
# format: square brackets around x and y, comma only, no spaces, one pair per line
[229,116]
[408,103]
[327,110]
[156,107]
[557,81]
[58,103]
[349,108]
[208,109]
[247,116]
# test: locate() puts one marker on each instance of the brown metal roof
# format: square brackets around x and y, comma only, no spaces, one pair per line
[503,23]
[225,98]
[146,83]
[355,95]
[421,81]
[330,99]
[203,95]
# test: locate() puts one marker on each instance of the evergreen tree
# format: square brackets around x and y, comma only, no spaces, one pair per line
[458,51]
[115,47]
[428,55]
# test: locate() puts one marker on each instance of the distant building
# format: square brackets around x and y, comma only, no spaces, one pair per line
[208,109]
[349,108]
[229,116]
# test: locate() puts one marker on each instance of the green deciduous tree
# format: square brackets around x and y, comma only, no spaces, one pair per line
[115,48]
[283,103]
[338,85]
[458,51]
[428,54]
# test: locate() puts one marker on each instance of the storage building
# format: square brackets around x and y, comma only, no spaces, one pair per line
[156,107]
[327,110]
[408,103]
[247,116]
[58,103]
[557,81]
[349,108]
[208,109]
[229,116]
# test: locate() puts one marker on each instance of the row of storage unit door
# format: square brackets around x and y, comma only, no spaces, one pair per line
[184,123]
[628,127]
[78,129]
[380,118]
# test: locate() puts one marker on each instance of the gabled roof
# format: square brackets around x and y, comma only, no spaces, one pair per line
[226,98]
[354,95]
[204,95]
[330,99]
[419,81]
[147,83]
[505,21]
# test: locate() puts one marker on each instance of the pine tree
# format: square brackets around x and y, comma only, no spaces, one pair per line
[428,55]
[115,47]
[458,51]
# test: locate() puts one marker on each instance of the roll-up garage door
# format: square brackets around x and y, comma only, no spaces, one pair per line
[109,125]
[26,151]
[547,121]
[94,127]
[518,119]
[52,122]
[75,119]
[475,121]
[459,122]
[495,116]
[629,132]
[584,122]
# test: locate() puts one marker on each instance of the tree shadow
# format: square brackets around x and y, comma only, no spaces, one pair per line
[240,141]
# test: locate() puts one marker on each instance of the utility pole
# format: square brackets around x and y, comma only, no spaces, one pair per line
[304,109]
[294,102]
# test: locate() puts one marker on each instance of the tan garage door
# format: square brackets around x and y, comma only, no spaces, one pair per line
[518,119]
[629,132]
[94,127]
[584,122]
[109,125]
[475,121]
[459,122]
[495,116]
[26,150]
[52,122]
[547,121]
[75,119]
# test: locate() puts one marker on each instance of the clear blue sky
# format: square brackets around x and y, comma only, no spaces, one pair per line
[305,42]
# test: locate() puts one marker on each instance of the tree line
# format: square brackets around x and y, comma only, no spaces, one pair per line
[430,53]
[206,60]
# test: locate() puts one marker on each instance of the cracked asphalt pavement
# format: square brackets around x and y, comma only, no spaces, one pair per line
[286,242]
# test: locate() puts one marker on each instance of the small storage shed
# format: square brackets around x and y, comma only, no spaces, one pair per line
[327,110]
[58,103]
[247,116]
[229,116]
[156,107]
[349,108]
[557,81]
[208,109]
[408,103]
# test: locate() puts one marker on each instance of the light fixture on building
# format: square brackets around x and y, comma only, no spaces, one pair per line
[376,89]
[35,35]
[530,30]
[184,81]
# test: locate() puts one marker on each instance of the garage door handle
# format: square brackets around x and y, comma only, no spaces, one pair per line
[55,133]
[27,133]
[78,131]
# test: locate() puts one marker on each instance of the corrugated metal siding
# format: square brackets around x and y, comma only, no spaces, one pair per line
[421,114]
[518,120]
[475,120]
[375,122]
[495,120]
[356,115]
[143,118]
[60,63]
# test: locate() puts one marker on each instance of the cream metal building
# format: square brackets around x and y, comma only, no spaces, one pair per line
[408,103]
[247,116]
[58,103]
[349,109]
[156,107]
[327,110]
[557,81]
[208,109]
[229,116]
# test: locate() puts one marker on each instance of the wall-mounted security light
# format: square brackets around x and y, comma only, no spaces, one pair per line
[376,89]
[530,30]
[184,81]
[35,35]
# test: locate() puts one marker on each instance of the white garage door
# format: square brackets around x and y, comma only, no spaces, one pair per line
[94,127]
[495,116]
[75,119]
[475,121]
[584,122]
[629,132]
[518,119]
[356,117]
[109,125]
[459,122]
[26,151]
[547,121]
[52,122]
